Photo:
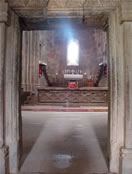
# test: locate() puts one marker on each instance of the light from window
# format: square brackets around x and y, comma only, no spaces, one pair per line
[73,53]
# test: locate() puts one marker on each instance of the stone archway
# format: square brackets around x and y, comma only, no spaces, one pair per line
[119,74]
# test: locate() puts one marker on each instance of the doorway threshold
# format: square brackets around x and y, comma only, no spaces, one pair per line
[38,108]
[60,173]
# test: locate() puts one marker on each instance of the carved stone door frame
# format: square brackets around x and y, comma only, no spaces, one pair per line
[116,93]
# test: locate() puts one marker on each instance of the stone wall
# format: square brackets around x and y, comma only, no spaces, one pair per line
[50,46]
[30,60]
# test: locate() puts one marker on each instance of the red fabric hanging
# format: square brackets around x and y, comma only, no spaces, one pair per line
[105,70]
[40,70]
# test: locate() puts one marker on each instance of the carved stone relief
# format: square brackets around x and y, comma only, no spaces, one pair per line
[63,3]
[54,7]
[3,12]
[101,3]
[27,3]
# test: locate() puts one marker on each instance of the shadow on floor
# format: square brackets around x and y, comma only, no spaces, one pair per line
[102,140]
[32,132]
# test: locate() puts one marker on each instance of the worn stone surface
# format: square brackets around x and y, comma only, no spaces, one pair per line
[126,10]
[4,160]
[128,85]
[2,54]
[57,7]
[3,19]
[3,149]
[116,86]
[3,12]
[12,82]
[126,153]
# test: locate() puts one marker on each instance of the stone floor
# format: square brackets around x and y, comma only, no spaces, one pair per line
[64,143]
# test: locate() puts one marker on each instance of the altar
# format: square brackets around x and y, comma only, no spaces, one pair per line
[84,95]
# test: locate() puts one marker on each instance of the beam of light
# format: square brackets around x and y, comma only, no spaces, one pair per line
[73,53]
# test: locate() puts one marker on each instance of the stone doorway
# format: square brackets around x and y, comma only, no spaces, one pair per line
[116,121]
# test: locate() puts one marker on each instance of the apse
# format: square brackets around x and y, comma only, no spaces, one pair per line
[70,57]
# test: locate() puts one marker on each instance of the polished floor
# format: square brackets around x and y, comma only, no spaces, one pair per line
[64,142]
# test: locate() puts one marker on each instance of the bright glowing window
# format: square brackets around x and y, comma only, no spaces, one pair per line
[73,53]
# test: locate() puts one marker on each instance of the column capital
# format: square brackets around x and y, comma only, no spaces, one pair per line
[3,12]
[126,10]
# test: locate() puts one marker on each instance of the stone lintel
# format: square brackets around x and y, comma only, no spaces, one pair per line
[126,161]
[126,11]
[3,12]
[4,160]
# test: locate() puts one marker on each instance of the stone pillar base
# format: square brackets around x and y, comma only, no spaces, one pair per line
[3,160]
[14,159]
[126,161]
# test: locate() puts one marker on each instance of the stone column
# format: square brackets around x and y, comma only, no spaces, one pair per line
[116,88]
[13,136]
[126,151]
[3,149]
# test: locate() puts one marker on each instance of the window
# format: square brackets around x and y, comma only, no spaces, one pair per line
[73,53]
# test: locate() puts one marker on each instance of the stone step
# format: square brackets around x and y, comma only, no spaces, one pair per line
[31,173]
[57,173]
